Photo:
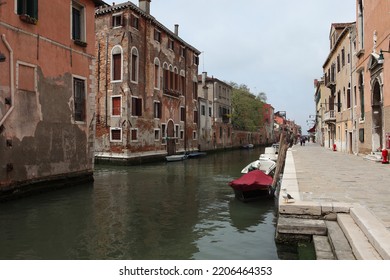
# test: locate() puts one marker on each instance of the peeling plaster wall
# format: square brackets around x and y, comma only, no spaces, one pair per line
[40,140]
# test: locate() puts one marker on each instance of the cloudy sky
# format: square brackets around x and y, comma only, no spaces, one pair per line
[272,46]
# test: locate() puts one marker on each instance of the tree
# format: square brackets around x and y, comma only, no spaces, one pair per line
[247,108]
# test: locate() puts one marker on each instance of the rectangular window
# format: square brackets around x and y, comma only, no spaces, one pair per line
[195,90]
[209,111]
[135,21]
[196,59]
[115,134]
[117,20]
[195,116]
[78,22]
[79,99]
[182,134]
[26,76]
[182,51]
[28,8]
[116,102]
[177,132]
[157,110]
[157,135]
[203,110]
[171,44]
[163,133]
[194,135]
[134,134]
[157,35]
[136,106]
[182,114]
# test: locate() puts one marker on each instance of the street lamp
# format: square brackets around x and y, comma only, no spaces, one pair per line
[381,58]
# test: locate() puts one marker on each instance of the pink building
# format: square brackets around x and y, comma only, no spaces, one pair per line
[46,92]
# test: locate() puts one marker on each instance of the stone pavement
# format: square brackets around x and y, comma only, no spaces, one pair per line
[336,177]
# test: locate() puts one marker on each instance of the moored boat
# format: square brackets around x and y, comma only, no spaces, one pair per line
[252,185]
[178,157]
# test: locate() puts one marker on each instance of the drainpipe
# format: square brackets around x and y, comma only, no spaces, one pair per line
[106,85]
[12,86]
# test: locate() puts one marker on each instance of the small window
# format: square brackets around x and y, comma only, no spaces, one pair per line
[117,20]
[157,110]
[195,116]
[135,21]
[163,133]
[157,35]
[196,60]
[79,99]
[28,10]
[182,114]
[171,44]
[157,135]
[182,134]
[136,106]
[182,51]
[134,134]
[78,24]
[116,105]
[194,135]
[203,110]
[210,112]
[116,134]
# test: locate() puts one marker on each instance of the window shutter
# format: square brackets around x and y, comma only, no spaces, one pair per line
[117,65]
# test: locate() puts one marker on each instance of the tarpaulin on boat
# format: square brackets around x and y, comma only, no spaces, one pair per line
[253,180]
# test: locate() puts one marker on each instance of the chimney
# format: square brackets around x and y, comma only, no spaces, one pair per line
[204,76]
[176,29]
[144,5]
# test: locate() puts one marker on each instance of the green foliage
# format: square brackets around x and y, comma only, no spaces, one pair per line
[247,108]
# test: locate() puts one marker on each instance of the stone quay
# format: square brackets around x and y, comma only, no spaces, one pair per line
[341,202]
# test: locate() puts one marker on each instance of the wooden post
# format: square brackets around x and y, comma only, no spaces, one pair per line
[283,146]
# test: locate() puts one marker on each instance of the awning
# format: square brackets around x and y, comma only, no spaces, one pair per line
[312,130]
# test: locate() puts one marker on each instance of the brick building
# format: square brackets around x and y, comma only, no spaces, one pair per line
[46,92]
[147,85]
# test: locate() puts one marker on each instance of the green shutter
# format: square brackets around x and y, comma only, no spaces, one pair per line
[20,7]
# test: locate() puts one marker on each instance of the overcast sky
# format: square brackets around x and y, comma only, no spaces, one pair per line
[272,46]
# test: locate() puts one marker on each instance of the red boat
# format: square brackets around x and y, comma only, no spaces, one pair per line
[253,185]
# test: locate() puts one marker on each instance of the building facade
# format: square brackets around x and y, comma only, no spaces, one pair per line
[147,101]
[372,75]
[47,90]
[215,128]
[337,110]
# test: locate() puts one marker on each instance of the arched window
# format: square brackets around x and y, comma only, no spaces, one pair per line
[176,79]
[171,79]
[165,76]
[134,65]
[156,73]
[116,64]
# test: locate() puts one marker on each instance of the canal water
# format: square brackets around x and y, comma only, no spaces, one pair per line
[177,210]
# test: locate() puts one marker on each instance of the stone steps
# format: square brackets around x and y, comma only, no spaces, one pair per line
[354,235]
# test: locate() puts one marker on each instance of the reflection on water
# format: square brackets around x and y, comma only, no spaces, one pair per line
[176,210]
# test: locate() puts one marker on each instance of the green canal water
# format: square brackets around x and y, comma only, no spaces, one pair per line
[164,211]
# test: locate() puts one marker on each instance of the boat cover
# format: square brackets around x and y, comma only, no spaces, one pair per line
[254,180]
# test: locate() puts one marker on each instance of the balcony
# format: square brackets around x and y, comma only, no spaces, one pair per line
[330,116]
